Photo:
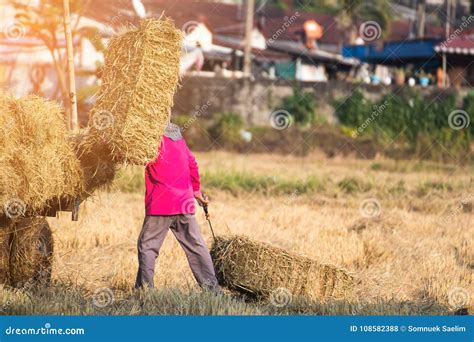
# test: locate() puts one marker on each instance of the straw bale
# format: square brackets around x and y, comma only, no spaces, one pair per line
[140,77]
[260,269]
[37,160]
[98,170]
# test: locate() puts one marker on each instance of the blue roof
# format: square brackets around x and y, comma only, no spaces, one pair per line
[416,51]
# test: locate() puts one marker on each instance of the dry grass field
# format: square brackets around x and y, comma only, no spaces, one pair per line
[404,229]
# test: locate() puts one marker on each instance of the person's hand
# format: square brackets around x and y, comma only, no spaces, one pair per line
[202,199]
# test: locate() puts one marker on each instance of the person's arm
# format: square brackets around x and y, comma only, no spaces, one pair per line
[195,179]
[151,168]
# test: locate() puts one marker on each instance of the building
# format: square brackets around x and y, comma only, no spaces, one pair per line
[279,40]
[459,53]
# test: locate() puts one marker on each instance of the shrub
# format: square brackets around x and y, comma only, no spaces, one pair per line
[226,129]
[409,121]
[353,110]
[301,105]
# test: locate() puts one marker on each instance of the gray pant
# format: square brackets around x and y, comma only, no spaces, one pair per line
[188,234]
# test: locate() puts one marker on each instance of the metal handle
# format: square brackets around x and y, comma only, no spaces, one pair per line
[206,212]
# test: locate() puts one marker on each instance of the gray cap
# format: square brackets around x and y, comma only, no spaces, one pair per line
[173,132]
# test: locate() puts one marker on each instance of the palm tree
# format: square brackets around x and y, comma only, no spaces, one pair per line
[353,13]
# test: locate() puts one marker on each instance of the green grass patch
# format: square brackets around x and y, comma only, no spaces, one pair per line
[68,299]
[351,185]
[430,186]
[236,182]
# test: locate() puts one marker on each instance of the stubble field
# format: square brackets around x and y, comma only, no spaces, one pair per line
[404,229]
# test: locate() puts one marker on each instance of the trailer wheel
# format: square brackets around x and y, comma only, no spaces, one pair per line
[31,253]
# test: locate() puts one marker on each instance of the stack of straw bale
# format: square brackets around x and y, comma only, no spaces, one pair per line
[41,162]
[260,269]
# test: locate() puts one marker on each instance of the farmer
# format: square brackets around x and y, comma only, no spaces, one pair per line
[172,184]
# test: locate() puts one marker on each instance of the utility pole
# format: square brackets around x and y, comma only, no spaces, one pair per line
[421,19]
[448,25]
[248,38]
[72,105]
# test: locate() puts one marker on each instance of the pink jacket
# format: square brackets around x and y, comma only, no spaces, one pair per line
[172,180]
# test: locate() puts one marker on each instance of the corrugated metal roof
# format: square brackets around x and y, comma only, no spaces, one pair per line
[462,45]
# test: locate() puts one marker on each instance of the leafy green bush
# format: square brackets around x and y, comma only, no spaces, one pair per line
[353,110]
[301,105]
[226,129]
[409,121]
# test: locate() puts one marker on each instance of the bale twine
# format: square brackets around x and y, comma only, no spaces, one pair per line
[261,269]
[32,252]
[37,161]
[139,80]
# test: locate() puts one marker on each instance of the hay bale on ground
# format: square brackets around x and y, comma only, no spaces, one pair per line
[260,269]
[37,161]
[140,77]
[32,252]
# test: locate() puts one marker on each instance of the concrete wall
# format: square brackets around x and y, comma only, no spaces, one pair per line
[255,100]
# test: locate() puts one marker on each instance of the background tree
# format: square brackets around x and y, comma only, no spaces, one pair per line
[45,22]
[353,13]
